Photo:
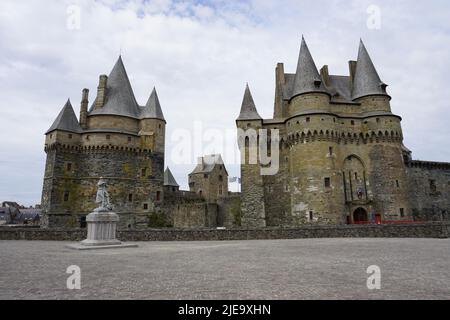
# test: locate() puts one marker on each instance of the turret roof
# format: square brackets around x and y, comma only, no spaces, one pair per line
[152,109]
[366,81]
[169,180]
[307,78]
[248,107]
[120,99]
[66,120]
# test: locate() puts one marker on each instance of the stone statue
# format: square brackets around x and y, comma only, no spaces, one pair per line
[103,196]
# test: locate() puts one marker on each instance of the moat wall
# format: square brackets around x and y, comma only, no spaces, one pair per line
[426,230]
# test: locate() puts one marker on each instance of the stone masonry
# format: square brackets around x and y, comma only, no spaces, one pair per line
[342,158]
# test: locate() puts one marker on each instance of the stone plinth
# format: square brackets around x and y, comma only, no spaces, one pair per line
[101,229]
[101,232]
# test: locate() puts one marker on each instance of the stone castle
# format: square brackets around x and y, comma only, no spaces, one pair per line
[124,143]
[342,159]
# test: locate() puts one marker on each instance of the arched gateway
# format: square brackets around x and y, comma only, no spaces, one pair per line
[360,215]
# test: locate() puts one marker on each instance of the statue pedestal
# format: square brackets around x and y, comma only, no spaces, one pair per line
[101,232]
[101,229]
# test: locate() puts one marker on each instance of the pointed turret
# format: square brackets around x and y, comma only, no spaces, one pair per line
[248,108]
[169,180]
[307,78]
[152,109]
[367,81]
[119,97]
[66,120]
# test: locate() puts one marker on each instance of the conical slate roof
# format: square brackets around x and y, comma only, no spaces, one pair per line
[66,120]
[152,109]
[307,78]
[366,81]
[169,180]
[248,108]
[120,98]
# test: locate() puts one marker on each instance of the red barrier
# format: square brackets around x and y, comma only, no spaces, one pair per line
[394,222]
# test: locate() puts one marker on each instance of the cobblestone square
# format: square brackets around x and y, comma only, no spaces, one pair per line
[279,269]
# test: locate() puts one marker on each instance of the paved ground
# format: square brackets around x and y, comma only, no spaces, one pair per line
[281,269]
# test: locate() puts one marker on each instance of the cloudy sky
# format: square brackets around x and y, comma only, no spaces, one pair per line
[199,55]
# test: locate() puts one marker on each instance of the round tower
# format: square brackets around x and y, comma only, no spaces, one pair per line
[248,124]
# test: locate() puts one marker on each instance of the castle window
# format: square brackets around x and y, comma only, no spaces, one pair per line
[83,223]
[144,172]
[397,183]
[433,187]
[130,197]
[327,182]
[402,212]
[158,195]
[129,139]
[220,178]
[51,135]
[66,196]
[308,119]
[311,216]
[205,176]
[378,120]
[356,175]
[220,190]
[70,136]
[330,151]
[334,119]
[145,206]
[108,137]
[286,188]
[69,166]
[88,137]
[352,122]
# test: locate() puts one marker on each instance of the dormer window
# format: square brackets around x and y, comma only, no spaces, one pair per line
[383,86]
[317,83]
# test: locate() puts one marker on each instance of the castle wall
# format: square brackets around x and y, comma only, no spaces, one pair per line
[68,195]
[188,210]
[429,190]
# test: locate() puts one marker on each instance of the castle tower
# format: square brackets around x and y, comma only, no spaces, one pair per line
[385,163]
[249,123]
[170,184]
[153,125]
[209,179]
[115,139]
[341,157]
[311,158]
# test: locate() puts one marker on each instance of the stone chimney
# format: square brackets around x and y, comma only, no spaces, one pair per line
[280,73]
[352,69]
[325,75]
[101,92]
[84,108]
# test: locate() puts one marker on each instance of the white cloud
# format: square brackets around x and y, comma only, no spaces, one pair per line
[200,55]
